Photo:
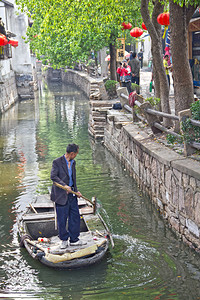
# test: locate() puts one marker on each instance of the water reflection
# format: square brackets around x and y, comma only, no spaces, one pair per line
[148,261]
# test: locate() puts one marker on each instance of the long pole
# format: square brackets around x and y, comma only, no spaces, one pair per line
[108,231]
[72,192]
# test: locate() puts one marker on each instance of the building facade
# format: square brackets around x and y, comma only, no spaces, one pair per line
[17,65]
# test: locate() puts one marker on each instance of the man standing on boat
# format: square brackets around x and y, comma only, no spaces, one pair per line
[64,172]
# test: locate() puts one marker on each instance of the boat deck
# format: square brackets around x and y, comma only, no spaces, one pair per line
[39,223]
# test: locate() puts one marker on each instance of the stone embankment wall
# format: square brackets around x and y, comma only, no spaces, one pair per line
[14,87]
[26,85]
[171,180]
[99,103]
[8,92]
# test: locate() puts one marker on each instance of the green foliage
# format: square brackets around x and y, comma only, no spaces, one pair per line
[153,101]
[190,131]
[110,85]
[186,3]
[135,87]
[170,138]
[195,109]
[91,63]
[65,31]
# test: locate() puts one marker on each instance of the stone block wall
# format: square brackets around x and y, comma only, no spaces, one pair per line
[25,86]
[171,181]
[99,103]
[8,91]
[81,80]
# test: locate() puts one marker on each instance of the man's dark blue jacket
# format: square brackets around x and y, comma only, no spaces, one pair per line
[59,174]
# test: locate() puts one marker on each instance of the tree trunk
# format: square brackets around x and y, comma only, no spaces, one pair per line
[154,30]
[156,79]
[113,74]
[183,81]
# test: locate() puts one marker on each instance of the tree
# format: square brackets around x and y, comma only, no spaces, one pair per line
[154,29]
[180,15]
[181,12]
[65,31]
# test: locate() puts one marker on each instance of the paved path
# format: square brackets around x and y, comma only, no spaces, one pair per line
[145,79]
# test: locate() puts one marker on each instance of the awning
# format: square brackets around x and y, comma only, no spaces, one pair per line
[10,34]
[7,3]
[194,24]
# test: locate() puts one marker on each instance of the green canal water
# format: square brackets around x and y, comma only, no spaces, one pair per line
[148,261]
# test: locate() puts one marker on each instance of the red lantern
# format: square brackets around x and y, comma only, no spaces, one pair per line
[123,25]
[3,40]
[144,26]
[13,43]
[126,26]
[136,32]
[163,19]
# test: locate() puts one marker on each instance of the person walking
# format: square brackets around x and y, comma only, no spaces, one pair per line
[124,72]
[64,172]
[167,67]
[135,69]
[140,57]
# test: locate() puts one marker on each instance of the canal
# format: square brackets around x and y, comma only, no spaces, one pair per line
[148,261]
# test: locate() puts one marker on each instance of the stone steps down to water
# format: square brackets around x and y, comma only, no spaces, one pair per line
[97,118]
[99,105]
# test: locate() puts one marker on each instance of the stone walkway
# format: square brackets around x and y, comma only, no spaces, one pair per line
[145,79]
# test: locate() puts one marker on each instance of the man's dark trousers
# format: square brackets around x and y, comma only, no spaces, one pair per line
[135,79]
[68,211]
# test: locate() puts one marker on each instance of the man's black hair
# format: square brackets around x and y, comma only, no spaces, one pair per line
[72,148]
[134,54]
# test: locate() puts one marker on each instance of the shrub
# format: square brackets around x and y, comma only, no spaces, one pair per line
[110,85]
[190,131]
[153,101]
[135,87]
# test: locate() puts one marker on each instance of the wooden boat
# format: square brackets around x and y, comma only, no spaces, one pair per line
[39,235]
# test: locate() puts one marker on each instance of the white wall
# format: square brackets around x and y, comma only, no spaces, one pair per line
[147,48]
[16,22]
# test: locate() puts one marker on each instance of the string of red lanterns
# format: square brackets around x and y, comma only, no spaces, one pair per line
[162,19]
[13,43]
[4,41]
[135,32]
[126,26]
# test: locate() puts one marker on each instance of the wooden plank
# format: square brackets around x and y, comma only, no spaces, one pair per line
[93,223]
[39,216]
[81,201]
[43,198]
[42,205]
[86,210]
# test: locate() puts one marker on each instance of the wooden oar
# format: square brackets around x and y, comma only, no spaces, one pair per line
[33,208]
[72,192]
[108,231]
[55,216]
[35,244]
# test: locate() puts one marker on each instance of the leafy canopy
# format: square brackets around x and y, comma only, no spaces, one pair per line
[65,31]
